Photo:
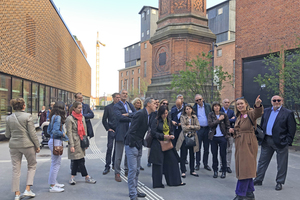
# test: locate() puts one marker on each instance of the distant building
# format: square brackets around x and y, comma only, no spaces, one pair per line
[136,75]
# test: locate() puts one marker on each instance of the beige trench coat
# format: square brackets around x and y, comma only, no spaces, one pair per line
[74,139]
[184,120]
[246,145]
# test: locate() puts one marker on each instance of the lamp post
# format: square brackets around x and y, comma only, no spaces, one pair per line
[212,51]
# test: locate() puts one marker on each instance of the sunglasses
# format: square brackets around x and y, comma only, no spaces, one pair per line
[239,98]
[165,104]
[199,100]
[278,100]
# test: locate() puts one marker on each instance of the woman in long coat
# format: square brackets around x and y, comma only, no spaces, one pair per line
[76,130]
[164,162]
[190,124]
[246,147]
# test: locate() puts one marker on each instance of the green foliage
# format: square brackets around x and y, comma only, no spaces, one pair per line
[197,78]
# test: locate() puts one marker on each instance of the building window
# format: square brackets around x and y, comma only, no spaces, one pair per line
[132,72]
[121,84]
[139,70]
[142,34]
[132,85]
[139,84]
[143,14]
[220,11]
[132,46]
[127,73]
[148,12]
[233,74]
[154,12]
[145,45]
[139,44]
[127,49]
[122,74]
[127,82]
[148,32]
[219,52]
[145,69]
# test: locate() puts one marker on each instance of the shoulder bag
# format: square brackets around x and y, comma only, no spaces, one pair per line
[84,143]
[189,140]
[258,131]
[57,150]
[166,144]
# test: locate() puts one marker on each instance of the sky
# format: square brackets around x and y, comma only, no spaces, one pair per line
[118,23]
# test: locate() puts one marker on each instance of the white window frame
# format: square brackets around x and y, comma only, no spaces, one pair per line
[220,11]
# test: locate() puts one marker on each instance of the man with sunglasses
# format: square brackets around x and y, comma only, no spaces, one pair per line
[202,110]
[279,126]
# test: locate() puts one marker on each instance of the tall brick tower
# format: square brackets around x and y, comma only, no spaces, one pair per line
[182,34]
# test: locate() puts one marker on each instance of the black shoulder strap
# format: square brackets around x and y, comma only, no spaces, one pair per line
[251,122]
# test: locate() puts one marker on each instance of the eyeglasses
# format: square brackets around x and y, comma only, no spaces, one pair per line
[278,100]
[165,104]
[239,98]
[199,100]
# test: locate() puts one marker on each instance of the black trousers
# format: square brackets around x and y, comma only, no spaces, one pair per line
[183,154]
[215,143]
[110,143]
[79,163]
[176,135]
[203,137]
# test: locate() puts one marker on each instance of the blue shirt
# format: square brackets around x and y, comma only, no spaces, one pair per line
[202,116]
[225,110]
[271,120]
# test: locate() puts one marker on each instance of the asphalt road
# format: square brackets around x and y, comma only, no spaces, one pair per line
[204,187]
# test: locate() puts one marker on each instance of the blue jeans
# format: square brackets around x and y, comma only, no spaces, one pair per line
[134,162]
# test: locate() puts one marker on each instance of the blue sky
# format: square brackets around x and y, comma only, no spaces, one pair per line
[118,23]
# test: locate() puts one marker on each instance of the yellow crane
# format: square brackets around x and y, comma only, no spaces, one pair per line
[98,43]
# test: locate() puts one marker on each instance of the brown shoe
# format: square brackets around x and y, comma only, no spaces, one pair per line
[118,178]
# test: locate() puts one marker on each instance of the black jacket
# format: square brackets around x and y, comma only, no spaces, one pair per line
[139,126]
[284,127]
[108,119]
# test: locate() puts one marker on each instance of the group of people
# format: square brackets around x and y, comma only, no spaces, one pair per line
[185,128]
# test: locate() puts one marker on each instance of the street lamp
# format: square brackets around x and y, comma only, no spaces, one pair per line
[212,51]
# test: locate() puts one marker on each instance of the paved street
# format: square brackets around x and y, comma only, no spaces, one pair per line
[204,187]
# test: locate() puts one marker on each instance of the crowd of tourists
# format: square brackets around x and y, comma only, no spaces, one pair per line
[171,134]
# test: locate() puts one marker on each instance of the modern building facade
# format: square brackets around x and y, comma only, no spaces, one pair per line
[262,27]
[136,75]
[40,60]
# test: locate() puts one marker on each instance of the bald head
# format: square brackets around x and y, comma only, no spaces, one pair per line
[178,103]
[226,103]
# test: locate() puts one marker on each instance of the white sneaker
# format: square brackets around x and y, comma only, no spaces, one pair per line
[59,185]
[28,194]
[17,197]
[90,180]
[56,189]
[72,181]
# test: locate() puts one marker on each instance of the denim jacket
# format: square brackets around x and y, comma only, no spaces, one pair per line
[54,129]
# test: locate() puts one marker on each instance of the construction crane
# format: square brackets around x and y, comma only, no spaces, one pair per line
[98,43]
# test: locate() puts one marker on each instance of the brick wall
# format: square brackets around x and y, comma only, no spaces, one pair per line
[36,45]
[263,26]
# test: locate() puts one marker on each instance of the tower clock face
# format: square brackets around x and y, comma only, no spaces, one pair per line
[162,59]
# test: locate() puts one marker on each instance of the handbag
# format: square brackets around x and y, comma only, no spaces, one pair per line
[57,150]
[84,143]
[189,140]
[260,135]
[166,145]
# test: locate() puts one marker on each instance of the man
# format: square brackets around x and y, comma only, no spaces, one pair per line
[108,121]
[124,112]
[134,145]
[179,96]
[231,117]
[156,103]
[202,110]
[87,113]
[175,117]
[279,126]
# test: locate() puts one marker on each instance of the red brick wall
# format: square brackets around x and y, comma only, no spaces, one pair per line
[263,26]
[36,45]
[226,61]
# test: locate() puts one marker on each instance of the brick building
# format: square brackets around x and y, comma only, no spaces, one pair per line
[40,60]
[263,26]
[136,75]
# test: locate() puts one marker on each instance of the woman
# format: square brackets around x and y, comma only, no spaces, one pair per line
[57,136]
[42,115]
[137,103]
[23,141]
[219,133]
[76,129]
[164,162]
[190,125]
[246,147]
[164,102]
[49,110]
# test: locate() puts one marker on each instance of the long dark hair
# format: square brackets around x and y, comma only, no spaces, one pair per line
[59,109]
[161,111]
[188,105]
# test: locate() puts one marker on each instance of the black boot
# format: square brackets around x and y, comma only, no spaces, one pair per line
[237,197]
[215,174]
[250,196]
[223,175]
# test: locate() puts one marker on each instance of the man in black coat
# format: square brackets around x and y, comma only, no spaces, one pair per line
[202,110]
[175,117]
[134,145]
[279,126]
[124,111]
[108,121]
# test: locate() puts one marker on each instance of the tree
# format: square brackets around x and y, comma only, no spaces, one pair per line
[198,77]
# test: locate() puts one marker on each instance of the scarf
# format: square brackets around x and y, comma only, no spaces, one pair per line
[80,127]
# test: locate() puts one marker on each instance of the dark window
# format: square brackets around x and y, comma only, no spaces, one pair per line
[162,58]
[5,92]
[27,96]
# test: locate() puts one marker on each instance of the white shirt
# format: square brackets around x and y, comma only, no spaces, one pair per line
[218,130]
[202,116]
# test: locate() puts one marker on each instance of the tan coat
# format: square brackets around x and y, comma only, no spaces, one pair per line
[21,131]
[184,120]
[246,145]
[74,139]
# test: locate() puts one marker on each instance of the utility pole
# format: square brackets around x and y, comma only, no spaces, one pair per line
[98,43]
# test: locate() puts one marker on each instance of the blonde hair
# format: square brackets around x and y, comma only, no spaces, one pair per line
[135,100]
[17,103]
